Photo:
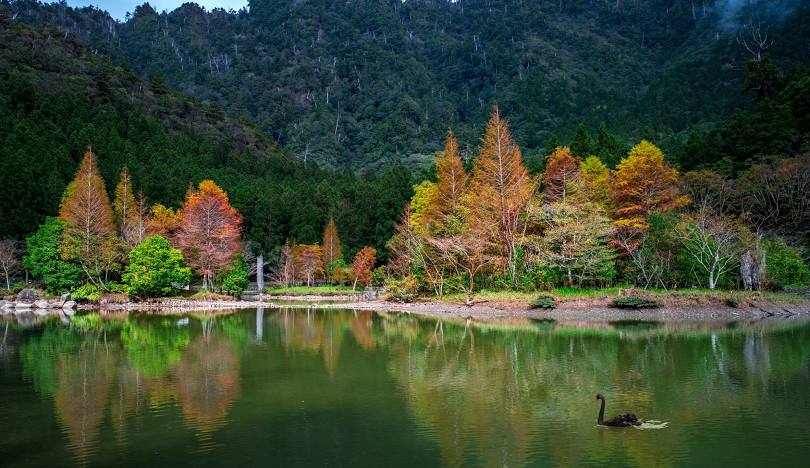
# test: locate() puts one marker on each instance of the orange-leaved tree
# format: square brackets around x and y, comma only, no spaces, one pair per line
[331,243]
[89,233]
[162,221]
[308,260]
[644,183]
[451,184]
[210,231]
[501,190]
[360,270]
[561,175]
[130,211]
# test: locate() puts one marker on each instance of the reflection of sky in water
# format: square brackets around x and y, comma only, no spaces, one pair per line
[309,387]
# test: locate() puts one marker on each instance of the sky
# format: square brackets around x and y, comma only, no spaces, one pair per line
[119,8]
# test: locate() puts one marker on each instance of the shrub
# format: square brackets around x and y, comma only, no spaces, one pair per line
[86,293]
[634,302]
[543,301]
[785,266]
[43,259]
[155,269]
[235,280]
[401,290]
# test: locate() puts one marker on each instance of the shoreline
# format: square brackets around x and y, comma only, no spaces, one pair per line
[581,310]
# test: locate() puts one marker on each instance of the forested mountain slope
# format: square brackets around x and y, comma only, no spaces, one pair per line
[57,97]
[359,83]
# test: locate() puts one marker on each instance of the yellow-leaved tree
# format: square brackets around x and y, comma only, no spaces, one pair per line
[644,183]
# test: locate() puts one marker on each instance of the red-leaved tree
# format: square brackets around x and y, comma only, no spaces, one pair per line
[210,231]
[361,266]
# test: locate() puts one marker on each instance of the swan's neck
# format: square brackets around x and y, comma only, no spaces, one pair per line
[601,418]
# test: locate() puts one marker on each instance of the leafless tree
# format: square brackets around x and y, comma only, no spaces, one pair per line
[754,38]
[10,252]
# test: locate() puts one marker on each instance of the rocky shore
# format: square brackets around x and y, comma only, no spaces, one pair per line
[29,300]
[582,310]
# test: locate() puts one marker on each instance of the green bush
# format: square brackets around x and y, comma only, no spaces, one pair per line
[785,266]
[235,280]
[634,302]
[43,259]
[543,301]
[86,293]
[402,290]
[155,269]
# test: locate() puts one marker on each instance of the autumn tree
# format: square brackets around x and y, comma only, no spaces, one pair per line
[210,231]
[500,190]
[162,221]
[331,243]
[562,168]
[596,180]
[360,270]
[776,196]
[644,183]
[308,260]
[89,232]
[466,255]
[124,207]
[576,241]
[10,253]
[412,253]
[444,209]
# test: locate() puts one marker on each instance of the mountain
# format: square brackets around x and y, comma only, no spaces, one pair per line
[57,97]
[362,83]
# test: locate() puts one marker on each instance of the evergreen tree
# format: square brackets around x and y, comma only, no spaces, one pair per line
[582,145]
[609,148]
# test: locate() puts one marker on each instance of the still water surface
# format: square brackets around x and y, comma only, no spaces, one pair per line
[304,387]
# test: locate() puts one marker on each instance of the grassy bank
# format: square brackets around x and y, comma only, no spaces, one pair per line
[676,296]
[325,290]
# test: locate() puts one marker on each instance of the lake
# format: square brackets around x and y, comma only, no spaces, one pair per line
[298,387]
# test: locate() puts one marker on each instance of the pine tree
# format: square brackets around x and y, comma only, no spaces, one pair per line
[582,145]
[609,148]
[500,189]
[89,232]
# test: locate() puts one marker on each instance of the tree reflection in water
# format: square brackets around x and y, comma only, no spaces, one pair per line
[487,394]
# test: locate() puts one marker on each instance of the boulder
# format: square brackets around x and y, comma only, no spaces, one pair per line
[41,304]
[69,305]
[65,298]
[27,296]
[22,305]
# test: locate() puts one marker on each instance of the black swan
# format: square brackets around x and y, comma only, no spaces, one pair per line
[622,420]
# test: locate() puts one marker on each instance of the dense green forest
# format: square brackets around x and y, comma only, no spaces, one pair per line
[695,156]
[360,83]
[56,97]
